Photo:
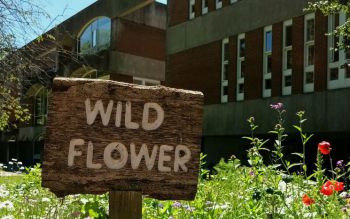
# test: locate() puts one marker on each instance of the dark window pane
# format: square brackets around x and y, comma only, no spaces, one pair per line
[205,3]
[226,52]
[310,30]
[311,55]
[288,37]
[225,72]
[288,81]
[269,63]
[225,90]
[242,48]
[240,88]
[334,74]
[309,77]
[242,69]
[267,84]
[268,41]
[289,59]
[347,73]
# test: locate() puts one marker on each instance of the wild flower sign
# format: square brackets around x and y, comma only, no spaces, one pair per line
[104,135]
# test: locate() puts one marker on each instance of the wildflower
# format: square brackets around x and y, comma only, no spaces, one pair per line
[160,205]
[10,162]
[338,186]
[329,187]
[324,147]
[35,192]
[177,204]
[340,164]
[252,173]
[7,205]
[3,192]
[171,217]
[8,217]
[45,199]
[307,200]
[276,106]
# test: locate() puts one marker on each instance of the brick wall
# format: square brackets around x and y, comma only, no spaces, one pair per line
[232,78]
[277,44]
[197,69]
[298,55]
[321,47]
[178,11]
[140,40]
[254,64]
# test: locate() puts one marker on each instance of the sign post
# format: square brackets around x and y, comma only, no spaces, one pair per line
[129,140]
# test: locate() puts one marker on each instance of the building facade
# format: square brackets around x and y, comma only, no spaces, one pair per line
[118,40]
[247,54]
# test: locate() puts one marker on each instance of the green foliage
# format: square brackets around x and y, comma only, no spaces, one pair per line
[234,191]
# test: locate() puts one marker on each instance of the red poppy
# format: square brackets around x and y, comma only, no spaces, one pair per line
[327,190]
[307,200]
[339,186]
[330,186]
[324,147]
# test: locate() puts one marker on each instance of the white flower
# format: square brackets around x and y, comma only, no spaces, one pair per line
[45,199]
[10,162]
[8,205]
[20,163]
[8,217]
[282,186]
[4,193]
[13,159]
[35,192]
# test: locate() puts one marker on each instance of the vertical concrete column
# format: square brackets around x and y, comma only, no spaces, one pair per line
[321,47]
[277,41]
[232,68]
[254,64]
[298,55]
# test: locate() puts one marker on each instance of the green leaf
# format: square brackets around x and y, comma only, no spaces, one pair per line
[295,165]
[299,155]
[297,128]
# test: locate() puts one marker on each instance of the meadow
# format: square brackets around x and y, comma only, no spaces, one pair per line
[230,190]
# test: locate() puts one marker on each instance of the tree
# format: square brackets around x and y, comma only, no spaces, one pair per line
[329,7]
[23,60]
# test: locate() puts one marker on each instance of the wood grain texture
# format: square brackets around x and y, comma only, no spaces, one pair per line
[67,120]
[125,205]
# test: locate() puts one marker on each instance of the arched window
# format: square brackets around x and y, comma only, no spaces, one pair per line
[96,36]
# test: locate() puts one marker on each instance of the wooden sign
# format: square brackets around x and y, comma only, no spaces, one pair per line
[104,135]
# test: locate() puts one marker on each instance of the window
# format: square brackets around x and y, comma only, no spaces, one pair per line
[40,108]
[145,81]
[218,4]
[240,66]
[204,6]
[309,53]
[192,9]
[233,1]
[338,73]
[267,62]
[95,37]
[224,70]
[287,58]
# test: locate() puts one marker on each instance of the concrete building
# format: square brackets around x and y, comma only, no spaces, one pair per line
[121,40]
[247,54]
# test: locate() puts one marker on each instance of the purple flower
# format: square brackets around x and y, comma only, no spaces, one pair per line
[177,204]
[340,163]
[160,205]
[252,173]
[276,106]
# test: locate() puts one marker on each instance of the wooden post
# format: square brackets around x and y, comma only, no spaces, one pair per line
[125,204]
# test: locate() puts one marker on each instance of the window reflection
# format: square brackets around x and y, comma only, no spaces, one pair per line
[96,36]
